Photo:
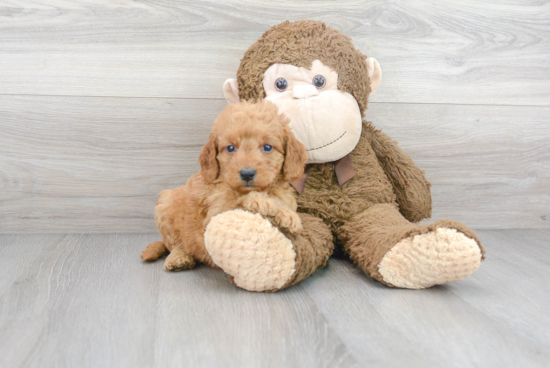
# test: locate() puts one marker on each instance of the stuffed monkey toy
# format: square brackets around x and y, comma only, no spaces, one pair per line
[359,191]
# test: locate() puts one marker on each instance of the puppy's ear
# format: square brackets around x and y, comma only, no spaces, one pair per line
[209,163]
[295,157]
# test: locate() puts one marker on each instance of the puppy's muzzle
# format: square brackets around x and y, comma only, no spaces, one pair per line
[247,174]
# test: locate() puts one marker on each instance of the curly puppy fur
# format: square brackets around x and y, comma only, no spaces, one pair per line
[181,214]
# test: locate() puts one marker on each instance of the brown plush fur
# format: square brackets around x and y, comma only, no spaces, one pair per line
[182,213]
[380,205]
[299,44]
[313,248]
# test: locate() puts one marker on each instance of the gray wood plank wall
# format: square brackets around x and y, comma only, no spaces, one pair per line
[103,104]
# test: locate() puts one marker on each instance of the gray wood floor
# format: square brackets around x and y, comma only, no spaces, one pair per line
[89,301]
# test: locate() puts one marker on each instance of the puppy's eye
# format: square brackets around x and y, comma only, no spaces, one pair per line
[267,148]
[231,149]
[281,84]
[319,81]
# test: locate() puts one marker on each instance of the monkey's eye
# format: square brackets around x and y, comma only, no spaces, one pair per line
[231,149]
[267,148]
[319,81]
[281,84]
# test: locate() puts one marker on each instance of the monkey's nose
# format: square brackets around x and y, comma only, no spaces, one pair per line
[247,174]
[304,91]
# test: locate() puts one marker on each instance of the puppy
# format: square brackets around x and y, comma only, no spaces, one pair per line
[248,162]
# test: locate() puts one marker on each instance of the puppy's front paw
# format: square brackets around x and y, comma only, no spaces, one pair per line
[255,202]
[290,220]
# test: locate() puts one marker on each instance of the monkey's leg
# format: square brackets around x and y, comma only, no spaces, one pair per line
[398,253]
[259,257]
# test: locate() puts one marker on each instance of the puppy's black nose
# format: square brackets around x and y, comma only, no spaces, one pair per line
[247,173]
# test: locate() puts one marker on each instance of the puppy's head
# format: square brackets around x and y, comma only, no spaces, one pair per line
[251,148]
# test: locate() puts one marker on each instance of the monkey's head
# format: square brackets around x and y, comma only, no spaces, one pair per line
[316,77]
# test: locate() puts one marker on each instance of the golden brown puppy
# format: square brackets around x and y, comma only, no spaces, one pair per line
[248,162]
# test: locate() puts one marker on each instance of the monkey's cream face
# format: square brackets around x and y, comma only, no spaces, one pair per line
[325,119]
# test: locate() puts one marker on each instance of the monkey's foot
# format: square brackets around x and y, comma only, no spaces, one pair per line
[251,250]
[434,258]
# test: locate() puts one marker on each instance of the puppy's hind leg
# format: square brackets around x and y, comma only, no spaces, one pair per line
[178,260]
[153,251]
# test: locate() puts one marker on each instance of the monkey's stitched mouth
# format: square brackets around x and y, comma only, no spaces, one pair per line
[328,144]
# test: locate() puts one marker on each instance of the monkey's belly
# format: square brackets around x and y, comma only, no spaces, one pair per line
[335,204]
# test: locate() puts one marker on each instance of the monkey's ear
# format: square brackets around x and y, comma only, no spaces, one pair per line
[231,90]
[208,160]
[375,74]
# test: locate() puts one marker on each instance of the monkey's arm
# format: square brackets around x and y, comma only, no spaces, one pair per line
[409,183]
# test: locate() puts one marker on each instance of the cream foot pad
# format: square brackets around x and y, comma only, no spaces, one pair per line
[247,247]
[435,258]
